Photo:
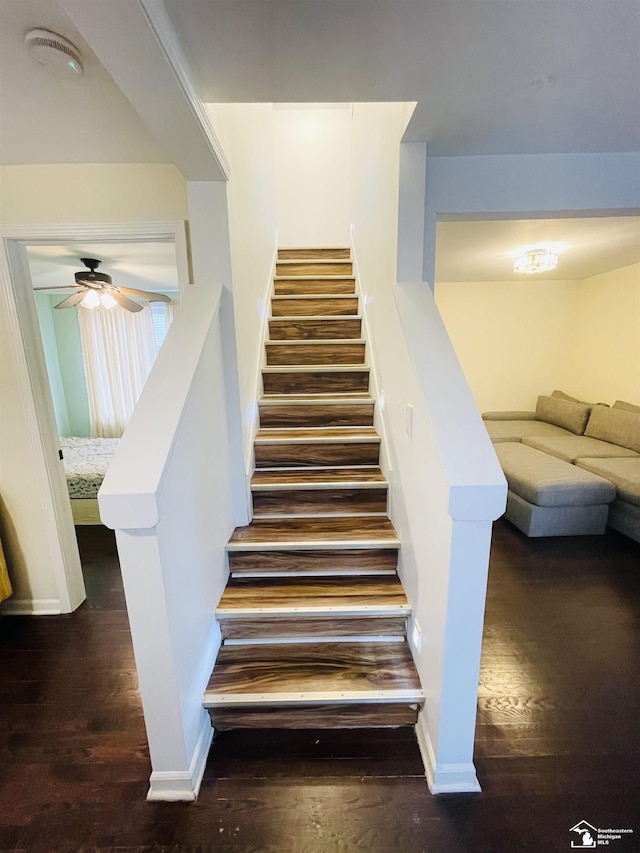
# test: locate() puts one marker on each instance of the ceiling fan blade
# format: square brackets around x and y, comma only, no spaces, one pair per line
[149,295]
[55,288]
[72,300]
[125,302]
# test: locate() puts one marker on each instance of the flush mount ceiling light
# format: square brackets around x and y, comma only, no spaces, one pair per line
[54,53]
[537,260]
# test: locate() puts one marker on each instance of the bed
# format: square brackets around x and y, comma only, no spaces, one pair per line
[85,463]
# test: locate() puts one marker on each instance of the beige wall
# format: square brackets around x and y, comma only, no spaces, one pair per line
[606,355]
[518,339]
[91,193]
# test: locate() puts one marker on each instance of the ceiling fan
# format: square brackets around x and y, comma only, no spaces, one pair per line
[94,289]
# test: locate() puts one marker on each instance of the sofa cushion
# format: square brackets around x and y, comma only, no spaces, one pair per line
[563,413]
[564,396]
[516,430]
[623,473]
[615,425]
[570,447]
[628,407]
[508,416]
[545,480]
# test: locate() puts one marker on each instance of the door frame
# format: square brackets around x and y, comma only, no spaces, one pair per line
[18,303]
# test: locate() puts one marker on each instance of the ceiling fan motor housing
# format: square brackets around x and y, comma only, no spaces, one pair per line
[90,277]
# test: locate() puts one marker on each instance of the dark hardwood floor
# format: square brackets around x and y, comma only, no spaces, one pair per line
[558,738]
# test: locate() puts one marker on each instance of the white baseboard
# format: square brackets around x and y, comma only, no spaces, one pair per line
[444,778]
[31,607]
[183,785]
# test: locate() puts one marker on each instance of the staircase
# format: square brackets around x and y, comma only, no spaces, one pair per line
[314,617]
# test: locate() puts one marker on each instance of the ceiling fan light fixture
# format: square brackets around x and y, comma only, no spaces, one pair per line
[91,299]
[532,261]
[107,300]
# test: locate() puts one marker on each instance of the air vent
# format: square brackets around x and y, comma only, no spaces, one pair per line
[55,53]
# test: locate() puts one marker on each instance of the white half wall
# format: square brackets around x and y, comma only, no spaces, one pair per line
[246,134]
[313,175]
[168,495]
[446,484]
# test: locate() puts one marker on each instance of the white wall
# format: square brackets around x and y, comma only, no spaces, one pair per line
[445,484]
[519,339]
[313,175]
[246,134]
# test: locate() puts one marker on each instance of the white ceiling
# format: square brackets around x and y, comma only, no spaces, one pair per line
[145,266]
[490,77]
[44,119]
[484,251]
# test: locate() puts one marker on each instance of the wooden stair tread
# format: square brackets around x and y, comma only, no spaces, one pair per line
[299,673]
[290,596]
[311,253]
[319,478]
[301,533]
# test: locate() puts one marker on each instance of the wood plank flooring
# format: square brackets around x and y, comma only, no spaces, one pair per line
[561,640]
[318,562]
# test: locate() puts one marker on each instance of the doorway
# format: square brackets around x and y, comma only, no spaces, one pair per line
[44,518]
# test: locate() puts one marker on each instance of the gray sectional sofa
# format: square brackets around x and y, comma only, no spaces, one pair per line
[572,467]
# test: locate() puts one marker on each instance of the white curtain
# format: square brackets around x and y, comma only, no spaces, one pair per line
[119,351]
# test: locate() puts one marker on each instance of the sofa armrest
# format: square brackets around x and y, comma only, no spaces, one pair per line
[508,416]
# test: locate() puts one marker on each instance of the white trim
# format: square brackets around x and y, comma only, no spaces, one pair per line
[344,697]
[17,299]
[267,441]
[314,610]
[162,231]
[31,607]
[320,485]
[444,778]
[316,368]
[334,277]
[259,389]
[379,418]
[317,573]
[316,342]
[314,545]
[160,25]
[282,297]
[293,640]
[184,786]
